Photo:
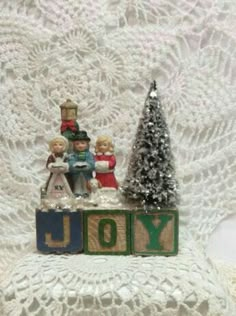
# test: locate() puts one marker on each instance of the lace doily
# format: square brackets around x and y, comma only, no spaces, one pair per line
[125,285]
[228,271]
[103,55]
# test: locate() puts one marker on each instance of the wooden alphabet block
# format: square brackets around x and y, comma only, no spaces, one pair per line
[59,231]
[107,232]
[154,232]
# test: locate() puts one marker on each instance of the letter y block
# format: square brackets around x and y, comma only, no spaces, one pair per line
[154,232]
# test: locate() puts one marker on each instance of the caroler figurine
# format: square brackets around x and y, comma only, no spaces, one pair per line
[105,162]
[82,164]
[57,185]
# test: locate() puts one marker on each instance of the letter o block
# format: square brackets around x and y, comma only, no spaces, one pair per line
[154,232]
[106,232]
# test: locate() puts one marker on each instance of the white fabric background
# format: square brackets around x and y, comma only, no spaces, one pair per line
[103,55]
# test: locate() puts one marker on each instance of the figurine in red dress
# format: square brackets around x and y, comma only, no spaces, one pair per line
[105,162]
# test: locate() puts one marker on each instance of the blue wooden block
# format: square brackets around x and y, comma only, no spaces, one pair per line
[59,231]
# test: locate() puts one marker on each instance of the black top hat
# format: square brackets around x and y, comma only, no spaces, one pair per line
[81,135]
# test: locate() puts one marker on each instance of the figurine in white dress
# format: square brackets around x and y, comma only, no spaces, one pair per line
[57,185]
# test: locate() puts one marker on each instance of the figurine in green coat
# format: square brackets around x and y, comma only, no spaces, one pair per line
[81,164]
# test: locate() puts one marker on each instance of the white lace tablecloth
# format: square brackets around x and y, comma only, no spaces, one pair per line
[103,55]
[124,285]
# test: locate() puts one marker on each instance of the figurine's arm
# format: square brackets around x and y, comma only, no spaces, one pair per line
[102,165]
[55,166]
[49,161]
[64,165]
[72,164]
[78,166]
[90,161]
[112,162]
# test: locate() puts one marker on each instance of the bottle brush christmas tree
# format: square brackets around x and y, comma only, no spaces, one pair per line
[151,175]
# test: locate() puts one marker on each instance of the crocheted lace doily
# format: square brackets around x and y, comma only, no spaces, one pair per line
[103,55]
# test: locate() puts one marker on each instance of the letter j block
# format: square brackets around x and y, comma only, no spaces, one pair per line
[59,231]
[154,232]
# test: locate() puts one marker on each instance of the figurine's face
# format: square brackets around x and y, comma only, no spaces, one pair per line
[58,147]
[80,145]
[103,147]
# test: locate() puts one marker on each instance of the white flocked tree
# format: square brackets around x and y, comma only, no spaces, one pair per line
[151,175]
